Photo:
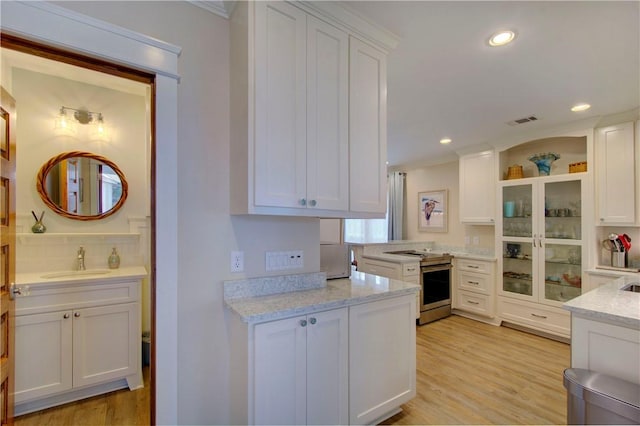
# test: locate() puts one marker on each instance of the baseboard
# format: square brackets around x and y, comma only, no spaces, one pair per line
[475,317]
[551,336]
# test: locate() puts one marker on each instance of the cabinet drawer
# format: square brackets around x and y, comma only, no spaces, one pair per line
[410,269]
[535,316]
[476,303]
[475,282]
[383,269]
[56,297]
[478,266]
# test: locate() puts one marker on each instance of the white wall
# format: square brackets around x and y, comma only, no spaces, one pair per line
[442,176]
[39,98]
[207,232]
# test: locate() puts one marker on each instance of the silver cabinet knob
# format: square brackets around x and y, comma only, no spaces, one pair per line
[65,316]
[313,203]
[77,314]
[312,320]
[303,323]
[13,291]
[303,201]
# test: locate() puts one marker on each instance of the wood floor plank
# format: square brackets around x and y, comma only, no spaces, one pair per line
[123,407]
[473,373]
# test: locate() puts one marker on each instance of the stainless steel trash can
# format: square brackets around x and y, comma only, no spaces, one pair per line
[595,398]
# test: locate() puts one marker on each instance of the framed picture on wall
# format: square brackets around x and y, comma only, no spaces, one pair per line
[433,211]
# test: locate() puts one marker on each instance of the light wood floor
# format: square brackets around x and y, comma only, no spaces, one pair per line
[123,407]
[474,373]
[468,373]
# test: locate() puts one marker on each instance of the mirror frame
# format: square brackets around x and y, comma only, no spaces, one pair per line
[46,168]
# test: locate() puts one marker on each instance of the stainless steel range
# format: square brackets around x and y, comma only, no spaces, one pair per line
[435,280]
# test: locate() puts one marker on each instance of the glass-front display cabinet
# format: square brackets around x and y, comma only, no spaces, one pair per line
[541,238]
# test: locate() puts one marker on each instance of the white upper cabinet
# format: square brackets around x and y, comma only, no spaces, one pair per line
[478,188]
[616,171]
[327,116]
[368,128]
[297,122]
[280,105]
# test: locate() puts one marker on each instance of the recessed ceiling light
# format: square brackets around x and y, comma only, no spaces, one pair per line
[445,141]
[501,38]
[580,107]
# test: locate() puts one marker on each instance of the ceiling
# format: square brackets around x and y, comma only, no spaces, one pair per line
[445,81]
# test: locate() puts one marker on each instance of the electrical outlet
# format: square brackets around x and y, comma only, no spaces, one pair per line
[237,261]
[476,240]
[467,240]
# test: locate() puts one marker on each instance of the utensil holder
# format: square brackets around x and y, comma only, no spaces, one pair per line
[619,259]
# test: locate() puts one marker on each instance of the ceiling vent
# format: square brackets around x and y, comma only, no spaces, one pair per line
[522,120]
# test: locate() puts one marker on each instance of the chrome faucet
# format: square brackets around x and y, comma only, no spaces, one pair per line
[81,259]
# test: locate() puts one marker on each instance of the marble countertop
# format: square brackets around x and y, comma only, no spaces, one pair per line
[609,303]
[36,278]
[330,294]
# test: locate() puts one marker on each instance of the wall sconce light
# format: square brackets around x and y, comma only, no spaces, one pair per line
[66,126]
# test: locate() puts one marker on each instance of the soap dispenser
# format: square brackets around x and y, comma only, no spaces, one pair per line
[114,259]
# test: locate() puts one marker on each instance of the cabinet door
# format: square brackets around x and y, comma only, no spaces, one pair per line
[616,153]
[280,380]
[106,343]
[43,355]
[477,188]
[327,368]
[280,105]
[327,116]
[367,128]
[382,358]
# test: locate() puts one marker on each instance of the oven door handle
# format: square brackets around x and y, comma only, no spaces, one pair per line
[434,268]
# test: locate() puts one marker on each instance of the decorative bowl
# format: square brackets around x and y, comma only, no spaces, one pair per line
[543,162]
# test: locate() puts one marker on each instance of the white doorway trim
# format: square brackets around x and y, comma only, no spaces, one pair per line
[58,27]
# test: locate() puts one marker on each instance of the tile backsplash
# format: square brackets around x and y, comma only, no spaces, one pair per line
[58,252]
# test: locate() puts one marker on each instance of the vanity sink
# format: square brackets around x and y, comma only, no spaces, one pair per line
[74,274]
[634,287]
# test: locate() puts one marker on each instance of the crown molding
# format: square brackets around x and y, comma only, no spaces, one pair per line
[222,8]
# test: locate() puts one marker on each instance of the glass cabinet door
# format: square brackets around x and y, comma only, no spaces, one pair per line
[563,210]
[517,268]
[517,211]
[562,272]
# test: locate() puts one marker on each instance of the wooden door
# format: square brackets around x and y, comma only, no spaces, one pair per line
[7,252]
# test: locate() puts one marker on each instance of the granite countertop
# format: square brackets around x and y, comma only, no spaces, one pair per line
[55,277]
[293,299]
[609,303]
[398,258]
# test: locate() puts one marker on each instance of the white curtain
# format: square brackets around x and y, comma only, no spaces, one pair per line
[396,205]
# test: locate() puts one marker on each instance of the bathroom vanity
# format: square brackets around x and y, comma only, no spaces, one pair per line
[77,334]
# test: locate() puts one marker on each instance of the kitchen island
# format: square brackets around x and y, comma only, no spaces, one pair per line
[306,350]
[605,330]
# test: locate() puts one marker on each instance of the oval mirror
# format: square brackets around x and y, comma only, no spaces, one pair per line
[82,186]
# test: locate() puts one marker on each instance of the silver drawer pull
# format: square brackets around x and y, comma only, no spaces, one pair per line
[77,314]
[473,282]
[539,316]
[472,302]
[411,269]
[473,267]
[312,320]
[65,316]
[303,323]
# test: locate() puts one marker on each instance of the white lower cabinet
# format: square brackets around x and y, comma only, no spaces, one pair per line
[350,365]
[382,358]
[94,340]
[300,370]
[408,272]
[474,286]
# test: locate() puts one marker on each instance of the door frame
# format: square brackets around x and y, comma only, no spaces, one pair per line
[98,42]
